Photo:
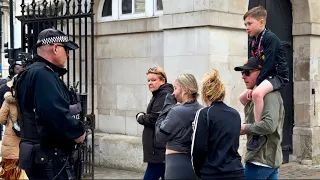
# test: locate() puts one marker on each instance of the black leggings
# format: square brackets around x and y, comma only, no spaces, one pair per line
[179,166]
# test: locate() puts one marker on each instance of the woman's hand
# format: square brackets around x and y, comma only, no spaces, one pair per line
[138,115]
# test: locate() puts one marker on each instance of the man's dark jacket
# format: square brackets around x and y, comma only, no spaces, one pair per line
[153,151]
[43,101]
[275,61]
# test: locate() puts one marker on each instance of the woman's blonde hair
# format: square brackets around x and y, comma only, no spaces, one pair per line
[188,83]
[212,87]
[159,71]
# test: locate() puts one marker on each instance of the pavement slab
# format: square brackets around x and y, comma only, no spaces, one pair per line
[287,171]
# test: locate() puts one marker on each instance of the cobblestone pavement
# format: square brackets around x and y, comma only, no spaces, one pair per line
[287,171]
[298,171]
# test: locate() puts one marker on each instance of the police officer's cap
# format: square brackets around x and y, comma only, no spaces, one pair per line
[51,36]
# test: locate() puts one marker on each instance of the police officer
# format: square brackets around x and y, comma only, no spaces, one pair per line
[48,132]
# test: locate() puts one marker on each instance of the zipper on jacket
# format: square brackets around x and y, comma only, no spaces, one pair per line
[153,149]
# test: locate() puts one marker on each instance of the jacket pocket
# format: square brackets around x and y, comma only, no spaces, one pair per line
[39,155]
[26,155]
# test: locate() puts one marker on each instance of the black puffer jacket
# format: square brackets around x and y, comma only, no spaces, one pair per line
[154,152]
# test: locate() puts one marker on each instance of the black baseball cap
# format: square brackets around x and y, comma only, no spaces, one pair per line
[51,36]
[252,63]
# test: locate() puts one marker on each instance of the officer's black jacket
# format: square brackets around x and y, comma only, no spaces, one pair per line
[41,91]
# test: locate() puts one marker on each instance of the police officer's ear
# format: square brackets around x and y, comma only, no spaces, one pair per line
[55,47]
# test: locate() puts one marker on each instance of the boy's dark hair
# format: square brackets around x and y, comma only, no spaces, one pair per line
[258,13]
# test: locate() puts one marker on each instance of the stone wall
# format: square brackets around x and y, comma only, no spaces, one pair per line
[122,61]
[124,52]
[198,50]
[192,36]
[306,19]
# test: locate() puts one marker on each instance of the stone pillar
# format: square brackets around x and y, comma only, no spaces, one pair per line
[200,35]
[306,40]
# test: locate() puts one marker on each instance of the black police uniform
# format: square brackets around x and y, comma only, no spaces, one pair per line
[47,129]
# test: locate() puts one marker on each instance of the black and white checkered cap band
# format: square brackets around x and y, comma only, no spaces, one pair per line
[52,40]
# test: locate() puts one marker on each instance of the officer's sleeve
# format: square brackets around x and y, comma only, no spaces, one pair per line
[53,108]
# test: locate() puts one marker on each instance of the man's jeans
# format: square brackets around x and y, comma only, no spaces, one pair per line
[253,171]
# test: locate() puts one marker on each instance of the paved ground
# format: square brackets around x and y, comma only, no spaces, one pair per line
[298,171]
[105,173]
[287,171]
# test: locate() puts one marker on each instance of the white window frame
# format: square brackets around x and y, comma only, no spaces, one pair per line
[150,11]
[157,12]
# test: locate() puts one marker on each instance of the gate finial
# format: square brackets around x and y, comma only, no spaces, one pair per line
[67,7]
[33,5]
[85,6]
[79,7]
[44,3]
[22,7]
[74,7]
[56,6]
[50,9]
[91,7]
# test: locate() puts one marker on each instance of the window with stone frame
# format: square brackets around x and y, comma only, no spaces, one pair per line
[159,6]
[127,9]
[107,8]
[133,6]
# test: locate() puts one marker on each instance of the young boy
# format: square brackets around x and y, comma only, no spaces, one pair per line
[265,45]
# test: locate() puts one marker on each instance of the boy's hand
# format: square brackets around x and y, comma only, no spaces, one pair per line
[249,94]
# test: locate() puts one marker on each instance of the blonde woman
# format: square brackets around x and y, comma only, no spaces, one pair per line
[216,135]
[176,129]
[10,142]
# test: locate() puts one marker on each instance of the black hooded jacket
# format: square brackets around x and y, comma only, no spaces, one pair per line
[153,151]
[275,60]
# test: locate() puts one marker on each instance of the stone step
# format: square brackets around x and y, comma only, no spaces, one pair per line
[108,173]
[119,152]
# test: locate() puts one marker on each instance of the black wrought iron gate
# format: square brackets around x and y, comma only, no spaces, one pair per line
[76,19]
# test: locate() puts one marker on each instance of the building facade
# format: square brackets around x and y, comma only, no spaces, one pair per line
[195,36]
